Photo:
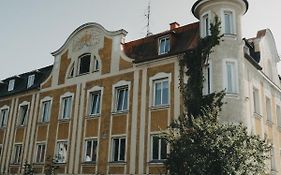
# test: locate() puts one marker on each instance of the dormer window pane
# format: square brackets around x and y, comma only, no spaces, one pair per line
[164,45]
[84,66]
[30,81]
[11,85]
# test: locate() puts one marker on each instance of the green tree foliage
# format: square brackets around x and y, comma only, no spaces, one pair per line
[199,144]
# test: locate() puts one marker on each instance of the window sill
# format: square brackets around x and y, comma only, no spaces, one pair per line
[21,126]
[120,112]
[93,115]
[162,161]
[229,36]
[39,163]
[232,95]
[59,163]
[118,162]
[43,123]
[64,120]
[89,163]
[15,164]
[159,107]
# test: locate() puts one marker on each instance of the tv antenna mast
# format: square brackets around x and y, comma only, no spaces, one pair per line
[147,15]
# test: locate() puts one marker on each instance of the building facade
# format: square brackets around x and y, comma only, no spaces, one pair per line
[101,106]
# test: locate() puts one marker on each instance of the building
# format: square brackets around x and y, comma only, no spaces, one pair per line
[100,107]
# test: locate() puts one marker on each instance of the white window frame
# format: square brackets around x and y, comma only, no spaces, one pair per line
[256,101]
[232,23]
[159,76]
[41,157]
[89,159]
[167,45]
[268,108]
[30,80]
[115,89]
[42,109]
[95,89]
[119,149]
[160,158]
[17,154]
[4,119]
[234,77]
[11,85]
[161,81]
[62,106]
[65,157]
[20,115]
[205,32]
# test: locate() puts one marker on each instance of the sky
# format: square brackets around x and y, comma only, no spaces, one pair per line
[30,30]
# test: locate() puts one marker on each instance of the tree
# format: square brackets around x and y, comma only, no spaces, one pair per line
[199,144]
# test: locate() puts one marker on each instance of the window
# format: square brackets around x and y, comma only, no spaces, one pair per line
[161,92]
[30,80]
[23,112]
[121,100]
[45,113]
[40,153]
[278,115]
[94,105]
[159,148]
[256,101]
[66,107]
[90,151]
[11,85]
[84,64]
[164,45]
[205,28]
[71,72]
[228,22]
[96,64]
[4,117]
[118,149]
[268,109]
[17,154]
[61,153]
[207,79]
[231,78]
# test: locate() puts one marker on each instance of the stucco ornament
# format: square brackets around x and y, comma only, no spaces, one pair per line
[89,38]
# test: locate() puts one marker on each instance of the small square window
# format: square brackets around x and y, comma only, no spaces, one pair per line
[66,107]
[4,117]
[164,45]
[118,149]
[161,92]
[121,100]
[23,114]
[30,80]
[61,152]
[159,148]
[94,103]
[17,154]
[45,111]
[11,85]
[40,153]
[90,150]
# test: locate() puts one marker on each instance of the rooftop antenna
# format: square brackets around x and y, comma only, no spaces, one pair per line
[147,15]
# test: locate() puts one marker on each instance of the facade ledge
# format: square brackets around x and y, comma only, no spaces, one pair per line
[89,163]
[118,162]
[160,107]
[157,162]
[120,112]
[93,116]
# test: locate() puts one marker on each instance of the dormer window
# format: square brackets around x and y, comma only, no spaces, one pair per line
[84,64]
[164,45]
[228,22]
[11,85]
[30,80]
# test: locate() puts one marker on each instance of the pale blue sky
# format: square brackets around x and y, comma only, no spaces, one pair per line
[32,29]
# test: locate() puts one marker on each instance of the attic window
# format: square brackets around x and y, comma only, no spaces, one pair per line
[164,45]
[30,80]
[11,85]
[84,64]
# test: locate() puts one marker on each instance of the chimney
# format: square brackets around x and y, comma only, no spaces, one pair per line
[174,25]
